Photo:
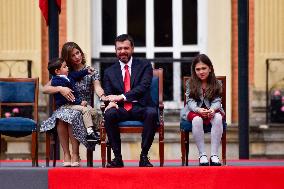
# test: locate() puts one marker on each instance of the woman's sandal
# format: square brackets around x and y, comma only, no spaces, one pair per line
[215,163]
[66,164]
[75,164]
[206,163]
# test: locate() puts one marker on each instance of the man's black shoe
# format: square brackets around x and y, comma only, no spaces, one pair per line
[94,137]
[115,163]
[144,161]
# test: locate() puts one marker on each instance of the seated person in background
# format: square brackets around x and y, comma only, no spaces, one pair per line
[59,70]
[203,106]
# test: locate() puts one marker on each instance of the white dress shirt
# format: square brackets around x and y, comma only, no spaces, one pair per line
[129,64]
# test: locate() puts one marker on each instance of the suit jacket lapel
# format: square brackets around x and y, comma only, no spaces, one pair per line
[117,73]
[134,71]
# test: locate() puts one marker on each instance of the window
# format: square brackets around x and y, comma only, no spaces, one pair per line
[172,29]
[185,68]
[168,75]
[189,22]
[136,21]
[108,21]
[163,23]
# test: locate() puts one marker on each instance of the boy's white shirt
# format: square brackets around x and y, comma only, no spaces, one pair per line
[64,76]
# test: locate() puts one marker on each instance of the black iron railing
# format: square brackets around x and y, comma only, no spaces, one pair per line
[155,60]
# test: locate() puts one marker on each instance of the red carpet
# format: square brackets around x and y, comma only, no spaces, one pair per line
[226,177]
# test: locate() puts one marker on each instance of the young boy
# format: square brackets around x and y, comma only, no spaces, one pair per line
[60,77]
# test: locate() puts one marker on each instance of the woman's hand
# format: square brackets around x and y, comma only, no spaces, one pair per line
[67,93]
[111,105]
[104,98]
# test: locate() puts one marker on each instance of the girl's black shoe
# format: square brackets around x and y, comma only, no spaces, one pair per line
[203,163]
[212,163]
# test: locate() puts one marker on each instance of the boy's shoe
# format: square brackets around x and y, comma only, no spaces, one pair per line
[94,137]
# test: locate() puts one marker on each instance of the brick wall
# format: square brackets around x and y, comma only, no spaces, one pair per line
[235,55]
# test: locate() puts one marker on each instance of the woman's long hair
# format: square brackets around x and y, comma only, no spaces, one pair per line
[213,88]
[66,53]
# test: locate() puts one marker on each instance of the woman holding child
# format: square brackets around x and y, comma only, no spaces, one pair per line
[69,122]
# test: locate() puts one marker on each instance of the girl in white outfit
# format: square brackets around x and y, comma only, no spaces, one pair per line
[203,106]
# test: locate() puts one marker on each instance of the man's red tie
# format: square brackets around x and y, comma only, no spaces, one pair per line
[127,105]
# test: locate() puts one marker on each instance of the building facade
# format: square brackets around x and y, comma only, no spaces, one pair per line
[172,29]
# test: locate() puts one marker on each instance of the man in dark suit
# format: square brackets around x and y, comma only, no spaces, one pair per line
[127,84]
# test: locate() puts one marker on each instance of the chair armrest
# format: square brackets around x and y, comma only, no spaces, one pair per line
[161,106]
[161,114]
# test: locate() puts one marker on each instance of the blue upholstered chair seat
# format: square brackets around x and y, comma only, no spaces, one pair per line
[17,126]
[187,126]
[132,123]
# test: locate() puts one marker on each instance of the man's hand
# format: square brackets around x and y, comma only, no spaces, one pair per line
[84,103]
[67,93]
[111,105]
[115,98]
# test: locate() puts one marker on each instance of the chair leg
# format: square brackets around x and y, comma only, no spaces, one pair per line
[37,149]
[33,152]
[224,142]
[47,148]
[89,158]
[55,139]
[161,146]
[186,141]
[108,152]
[182,142]
[103,145]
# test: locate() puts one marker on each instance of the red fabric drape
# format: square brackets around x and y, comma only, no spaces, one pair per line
[43,5]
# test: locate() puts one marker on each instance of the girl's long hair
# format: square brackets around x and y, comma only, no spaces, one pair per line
[66,53]
[213,88]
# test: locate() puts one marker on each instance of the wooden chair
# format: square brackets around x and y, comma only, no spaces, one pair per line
[137,126]
[186,126]
[51,140]
[20,93]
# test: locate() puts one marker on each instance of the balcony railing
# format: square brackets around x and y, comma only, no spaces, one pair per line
[16,68]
